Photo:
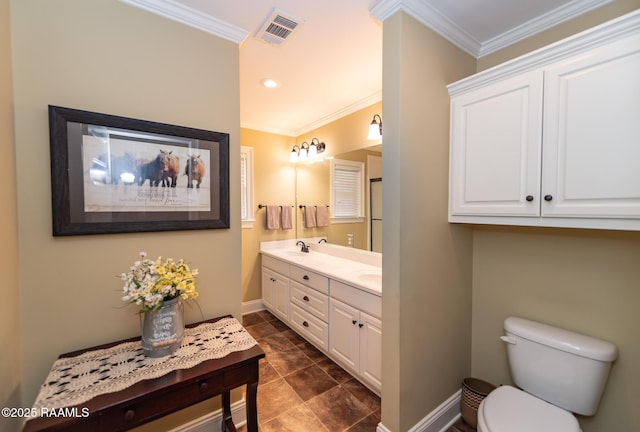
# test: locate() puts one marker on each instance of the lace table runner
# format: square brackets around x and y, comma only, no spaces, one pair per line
[74,380]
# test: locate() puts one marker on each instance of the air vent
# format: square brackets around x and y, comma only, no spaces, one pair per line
[278,27]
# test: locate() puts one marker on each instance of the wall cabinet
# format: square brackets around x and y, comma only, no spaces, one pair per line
[552,139]
[341,320]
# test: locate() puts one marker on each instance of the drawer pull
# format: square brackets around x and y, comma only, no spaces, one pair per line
[204,387]
[354,322]
[304,323]
[129,414]
[305,277]
[305,298]
[360,325]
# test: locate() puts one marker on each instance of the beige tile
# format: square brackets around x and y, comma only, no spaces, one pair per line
[310,381]
[297,419]
[338,409]
[275,398]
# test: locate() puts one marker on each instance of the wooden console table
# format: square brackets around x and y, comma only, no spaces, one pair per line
[154,398]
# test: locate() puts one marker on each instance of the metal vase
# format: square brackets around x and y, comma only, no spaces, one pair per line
[163,329]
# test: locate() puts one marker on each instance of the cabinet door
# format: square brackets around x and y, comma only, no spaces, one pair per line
[371,350]
[495,148]
[268,288]
[591,165]
[282,298]
[344,334]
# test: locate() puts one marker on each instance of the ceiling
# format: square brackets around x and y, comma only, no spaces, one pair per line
[331,64]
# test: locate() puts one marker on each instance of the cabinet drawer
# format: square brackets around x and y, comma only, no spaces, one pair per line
[309,278]
[311,328]
[275,265]
[364,301]
[310,300]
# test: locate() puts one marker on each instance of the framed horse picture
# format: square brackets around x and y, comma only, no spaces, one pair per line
[112,174]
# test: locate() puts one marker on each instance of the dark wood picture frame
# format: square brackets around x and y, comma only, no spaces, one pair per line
[112,174]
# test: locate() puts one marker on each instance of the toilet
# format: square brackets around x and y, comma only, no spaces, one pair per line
[557,372]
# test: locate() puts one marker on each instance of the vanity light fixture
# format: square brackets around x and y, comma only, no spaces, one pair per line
[375,128]
[306,151]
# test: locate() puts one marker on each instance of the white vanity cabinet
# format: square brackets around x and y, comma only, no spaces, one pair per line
[310,306]
[355,339]
[275,287]
[552,138]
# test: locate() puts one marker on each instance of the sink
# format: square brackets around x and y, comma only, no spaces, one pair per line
[369,277]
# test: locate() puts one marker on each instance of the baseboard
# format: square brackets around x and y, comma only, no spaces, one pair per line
[438,420]
[252,306]
[213,421]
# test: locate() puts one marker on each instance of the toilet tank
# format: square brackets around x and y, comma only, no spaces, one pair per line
[565,368]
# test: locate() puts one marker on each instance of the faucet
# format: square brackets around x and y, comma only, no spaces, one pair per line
[322,240]
[304,248]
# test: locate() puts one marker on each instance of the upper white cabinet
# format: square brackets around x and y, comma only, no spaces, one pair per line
[552,138]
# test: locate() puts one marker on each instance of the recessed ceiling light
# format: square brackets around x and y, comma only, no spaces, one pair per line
[269,83]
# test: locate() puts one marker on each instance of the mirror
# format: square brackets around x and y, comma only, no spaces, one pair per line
[313,189]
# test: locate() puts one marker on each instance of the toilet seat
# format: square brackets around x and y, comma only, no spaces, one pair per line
[508,409]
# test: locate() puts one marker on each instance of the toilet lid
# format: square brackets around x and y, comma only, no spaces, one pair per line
[508,409]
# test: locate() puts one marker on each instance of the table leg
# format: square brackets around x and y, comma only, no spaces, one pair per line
[252,407]
[227,421]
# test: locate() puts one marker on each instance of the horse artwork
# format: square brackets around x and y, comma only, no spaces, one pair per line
[152,170]
[172,168]
[194,170]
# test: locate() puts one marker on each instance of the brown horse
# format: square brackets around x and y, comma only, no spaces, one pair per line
[194,170]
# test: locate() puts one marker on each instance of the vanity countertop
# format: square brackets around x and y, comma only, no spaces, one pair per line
[323,259]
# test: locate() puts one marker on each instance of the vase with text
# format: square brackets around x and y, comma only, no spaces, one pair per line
[163,329]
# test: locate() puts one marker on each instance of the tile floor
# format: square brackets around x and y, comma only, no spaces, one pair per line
[301,390]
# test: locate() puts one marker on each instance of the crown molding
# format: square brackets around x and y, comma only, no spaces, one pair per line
[445,27]
[540,24]
[430,17]
[350,109]
[192,18]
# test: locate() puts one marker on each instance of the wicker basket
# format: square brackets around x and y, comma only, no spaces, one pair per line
[473,392]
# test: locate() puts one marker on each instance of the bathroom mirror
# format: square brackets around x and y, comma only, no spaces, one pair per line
[313,188]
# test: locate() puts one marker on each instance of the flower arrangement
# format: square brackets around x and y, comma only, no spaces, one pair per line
[150,283]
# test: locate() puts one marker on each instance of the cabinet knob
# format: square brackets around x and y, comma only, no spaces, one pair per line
[305,298]
[548,197]
[360,325]
[529,198]
[204,387]
[129,414]
[273,280]
[306,324]
[305,277]
[354,322]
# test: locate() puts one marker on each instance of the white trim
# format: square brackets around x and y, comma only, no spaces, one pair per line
[350,109]
[213,421]
[438,420]
[246,154]
[539,24]
[252,306]
[191,17]
[573,45]
[444,26]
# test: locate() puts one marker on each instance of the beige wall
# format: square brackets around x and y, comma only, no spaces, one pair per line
[584,280]
[426,261]
[278,181]
[274,183]
[108,57]
[10,368]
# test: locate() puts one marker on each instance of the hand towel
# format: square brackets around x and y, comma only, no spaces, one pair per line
[309,217]
[273,217]
[285,217]
[322,216]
